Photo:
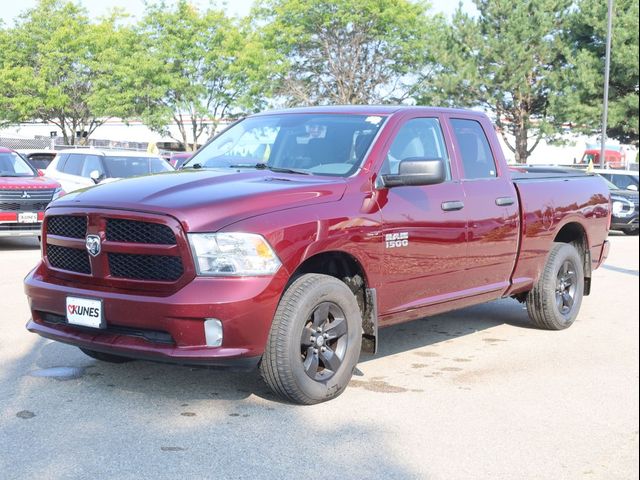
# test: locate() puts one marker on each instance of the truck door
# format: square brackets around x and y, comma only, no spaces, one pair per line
[424,227]
[491,207]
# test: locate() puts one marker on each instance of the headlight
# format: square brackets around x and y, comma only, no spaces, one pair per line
[232,254]
[622,207]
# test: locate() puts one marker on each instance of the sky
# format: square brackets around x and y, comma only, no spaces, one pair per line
[10,9]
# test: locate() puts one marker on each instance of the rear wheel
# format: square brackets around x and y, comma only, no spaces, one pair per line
[554,302]
[105,357]
[314,342]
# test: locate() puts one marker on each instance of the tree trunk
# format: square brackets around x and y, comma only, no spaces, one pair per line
[521,151]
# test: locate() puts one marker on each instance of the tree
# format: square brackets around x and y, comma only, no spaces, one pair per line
[506,60]
[346,51]
[581,100]
[54,68]
[193,68]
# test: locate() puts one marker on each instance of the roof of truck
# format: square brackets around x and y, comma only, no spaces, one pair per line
[368,110]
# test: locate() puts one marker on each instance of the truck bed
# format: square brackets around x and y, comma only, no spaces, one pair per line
[552,200]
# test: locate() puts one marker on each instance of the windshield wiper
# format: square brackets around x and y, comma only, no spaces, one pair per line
[264,166]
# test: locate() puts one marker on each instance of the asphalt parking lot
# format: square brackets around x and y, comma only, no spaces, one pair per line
[471,394]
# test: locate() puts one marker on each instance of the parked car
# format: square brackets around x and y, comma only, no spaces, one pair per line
[623,179]
[24,195]
[80,168]
[291,257]
[624,208]
[38,159]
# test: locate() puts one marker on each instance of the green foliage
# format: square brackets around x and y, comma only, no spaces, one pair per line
[533,64]
[53,68]
[506,60]
[345,51]
[193,68]
[580,101]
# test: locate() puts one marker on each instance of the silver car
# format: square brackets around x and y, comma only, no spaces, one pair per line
[80,168]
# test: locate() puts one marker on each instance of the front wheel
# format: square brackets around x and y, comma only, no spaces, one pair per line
[555,300]
[631,231]
[314,342]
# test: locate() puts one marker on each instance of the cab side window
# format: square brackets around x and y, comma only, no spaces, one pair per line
[419,138]
[475,153]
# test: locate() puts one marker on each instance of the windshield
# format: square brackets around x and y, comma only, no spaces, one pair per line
[321,144]
[124,167]
[13,165]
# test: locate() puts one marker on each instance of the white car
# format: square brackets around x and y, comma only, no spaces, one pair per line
[80,168]
[623,179]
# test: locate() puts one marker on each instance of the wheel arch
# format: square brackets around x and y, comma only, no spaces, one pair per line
[574,233]
[348,269]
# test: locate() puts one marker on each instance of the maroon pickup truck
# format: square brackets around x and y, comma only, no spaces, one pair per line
[290,238]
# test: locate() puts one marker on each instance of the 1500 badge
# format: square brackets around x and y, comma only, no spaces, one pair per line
[396,240]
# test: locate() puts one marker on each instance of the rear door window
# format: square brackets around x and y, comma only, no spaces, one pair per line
[474,150]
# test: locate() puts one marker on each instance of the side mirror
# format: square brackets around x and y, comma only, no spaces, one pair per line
[40,173]
[96,176]
[633,188]
[416,171]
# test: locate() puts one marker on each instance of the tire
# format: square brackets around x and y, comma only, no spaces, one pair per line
[314,342]
[554,302]
[631,231]
[106,357]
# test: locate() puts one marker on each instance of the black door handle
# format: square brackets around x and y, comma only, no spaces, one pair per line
[505,201]
[452,205]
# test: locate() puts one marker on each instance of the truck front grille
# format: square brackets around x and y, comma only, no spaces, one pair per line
[71,226]
[70,259]
[129,249]
[145,267]
[130,231]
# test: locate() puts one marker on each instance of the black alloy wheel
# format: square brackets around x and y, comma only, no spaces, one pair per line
[324,341]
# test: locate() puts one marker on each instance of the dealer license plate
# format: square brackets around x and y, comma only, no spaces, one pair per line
[28,217]
[86,312]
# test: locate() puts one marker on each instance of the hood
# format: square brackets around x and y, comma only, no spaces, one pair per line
[207,200]
[27,183]
[626,194]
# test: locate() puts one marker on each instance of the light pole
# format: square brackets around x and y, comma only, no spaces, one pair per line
[605,103]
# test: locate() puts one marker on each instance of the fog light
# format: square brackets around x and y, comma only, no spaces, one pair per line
[213,332]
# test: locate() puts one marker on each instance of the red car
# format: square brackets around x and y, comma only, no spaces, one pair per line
[24,195]
[290,238]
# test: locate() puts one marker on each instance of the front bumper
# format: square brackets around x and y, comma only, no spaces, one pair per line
[624,223]
[245,307]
